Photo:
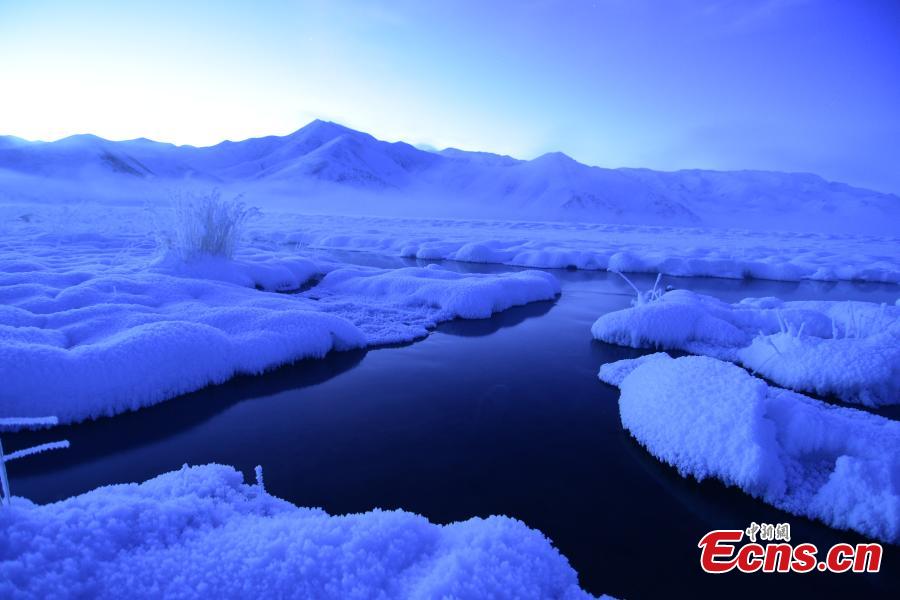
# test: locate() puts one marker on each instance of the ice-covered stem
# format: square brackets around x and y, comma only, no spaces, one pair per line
[259,478]
[782,324]
[36,450]
[4,479]
[643,297]
[655,293]
[15,423]
[628,281]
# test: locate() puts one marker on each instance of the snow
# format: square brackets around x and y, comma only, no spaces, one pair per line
[84,292]
[846,349]
[202,532]
[712,419]
[94,322]
[325,165]
[471,296]
[679,251]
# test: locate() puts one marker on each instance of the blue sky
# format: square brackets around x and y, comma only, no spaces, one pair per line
[797,85]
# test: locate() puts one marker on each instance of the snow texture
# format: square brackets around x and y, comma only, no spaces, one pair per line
[471,296]
[710,418]
[93,323]
[846,349]
[679,251]
[202,533]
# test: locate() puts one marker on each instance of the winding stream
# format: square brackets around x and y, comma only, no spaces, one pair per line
[503,415]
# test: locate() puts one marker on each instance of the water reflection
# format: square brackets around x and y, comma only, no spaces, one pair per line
[508,318]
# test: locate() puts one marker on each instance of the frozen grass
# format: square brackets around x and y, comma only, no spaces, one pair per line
[853,324]
[651,295]
[847,349]
[205,225]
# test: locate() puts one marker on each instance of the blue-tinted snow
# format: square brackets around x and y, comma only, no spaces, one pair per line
[710,418]
[850,350]
[202,532]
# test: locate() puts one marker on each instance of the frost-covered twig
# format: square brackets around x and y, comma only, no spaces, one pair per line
[36,450]
[643,297]
[15,423]
[629,282]
[259,478]
[774,347]
[4,478]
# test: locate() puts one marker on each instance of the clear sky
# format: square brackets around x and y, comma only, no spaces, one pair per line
[797,85]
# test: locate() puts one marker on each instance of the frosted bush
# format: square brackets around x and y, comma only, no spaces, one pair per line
[205,225]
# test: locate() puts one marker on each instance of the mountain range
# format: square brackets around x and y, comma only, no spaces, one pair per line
[325,160]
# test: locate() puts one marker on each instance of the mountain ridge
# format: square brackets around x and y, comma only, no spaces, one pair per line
[325,156]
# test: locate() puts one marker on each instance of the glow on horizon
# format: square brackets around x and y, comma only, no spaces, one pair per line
[794,85]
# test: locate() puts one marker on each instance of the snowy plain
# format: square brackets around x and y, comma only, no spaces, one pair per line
[679,251]
[84,288]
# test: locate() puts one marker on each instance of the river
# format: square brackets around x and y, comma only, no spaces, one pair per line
[497,416]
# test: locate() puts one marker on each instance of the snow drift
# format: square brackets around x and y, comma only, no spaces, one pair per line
[202,533]
[680,251]
[471,296]
[709,418]
[81,342]
[850,350]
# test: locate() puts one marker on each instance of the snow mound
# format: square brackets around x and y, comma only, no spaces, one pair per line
[850,350]
[83,335]
[710,418]
[679,251]
[202,533]
[286,273]
[470,296]
[82,347]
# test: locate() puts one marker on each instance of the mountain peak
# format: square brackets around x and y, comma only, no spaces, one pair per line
[320,127]
[557,158]
[81,138]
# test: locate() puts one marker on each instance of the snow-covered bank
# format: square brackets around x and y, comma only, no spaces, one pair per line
[679,251]
[91,325]
[471,296]
[850,350]
[710,418]
[202,533]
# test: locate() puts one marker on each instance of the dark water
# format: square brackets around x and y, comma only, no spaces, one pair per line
[499,416]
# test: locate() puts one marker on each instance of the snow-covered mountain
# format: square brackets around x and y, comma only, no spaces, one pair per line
[327,159]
